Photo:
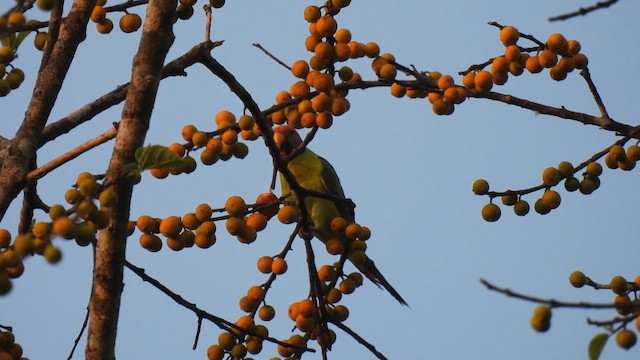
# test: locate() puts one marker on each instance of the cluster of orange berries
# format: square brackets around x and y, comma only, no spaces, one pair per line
[247,338]
[199,228]
[357,236]
[221,144]
[129,22]
[625,338]
[80,222]
[617,158]
[9,348]
[559,55]
[329,45]
[184,11]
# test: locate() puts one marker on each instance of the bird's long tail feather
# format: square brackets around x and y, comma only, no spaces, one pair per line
[370,270]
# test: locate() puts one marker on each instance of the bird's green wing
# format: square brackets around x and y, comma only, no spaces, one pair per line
[332,186]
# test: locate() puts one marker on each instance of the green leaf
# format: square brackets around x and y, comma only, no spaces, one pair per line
[5,39]
[17,40]
[158,157]
[596,345]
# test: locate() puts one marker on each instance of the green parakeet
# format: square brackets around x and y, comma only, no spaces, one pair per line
[315,173]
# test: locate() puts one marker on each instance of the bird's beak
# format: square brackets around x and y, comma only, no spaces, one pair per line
[279,139]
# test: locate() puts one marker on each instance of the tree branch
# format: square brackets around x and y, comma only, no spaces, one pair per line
[583,11]
[157,38]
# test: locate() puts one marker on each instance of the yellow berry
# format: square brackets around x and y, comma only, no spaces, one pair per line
[480,187]
[578,279]
[594,169]
[551,198]
[551,176]
[618,285]
[521,208]
[266,313]
[491,212]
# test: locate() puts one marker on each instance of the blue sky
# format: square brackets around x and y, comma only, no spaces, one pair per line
[409,172]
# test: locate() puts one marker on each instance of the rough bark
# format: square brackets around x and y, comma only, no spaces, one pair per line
[157,38]
[17,154]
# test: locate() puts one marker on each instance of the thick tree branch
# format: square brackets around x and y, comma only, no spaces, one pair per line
[157,38]
[50,78]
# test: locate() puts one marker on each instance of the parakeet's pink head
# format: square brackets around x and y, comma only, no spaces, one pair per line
[286,138]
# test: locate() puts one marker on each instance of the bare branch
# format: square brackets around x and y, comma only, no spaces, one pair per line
[594,91]
[583,11]
[549,302]
[273,56]
[72,154]
[201,314]
[604,123]
[360,340]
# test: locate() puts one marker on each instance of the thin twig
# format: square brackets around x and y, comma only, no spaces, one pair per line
[593,158]
[549,302]
[272,56]
[594,91]
[82,329]
[72,154]
[207,27]
[360,340]
[201,314]
[583,11]
[197,336]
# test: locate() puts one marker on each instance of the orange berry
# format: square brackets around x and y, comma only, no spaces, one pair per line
[342,36]
[580,61]
[300,69]
[483,81]
[326,25]
[264,264]
[398,90]
[551,176]
[326,273]
[334,246]
[312,13]
[441,107]
[500,63]
[371,50]
[468,80]
[557,43]
[323,82]
[257,220]
[445,82]
[388,72]
[299,89]
[547,58]
[279,266]
[533,65]
[573,47]
[130,23]
[557,73]
[256,294]
[509,35]
[512,53]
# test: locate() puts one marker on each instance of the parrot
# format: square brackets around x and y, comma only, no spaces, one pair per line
[315,173]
